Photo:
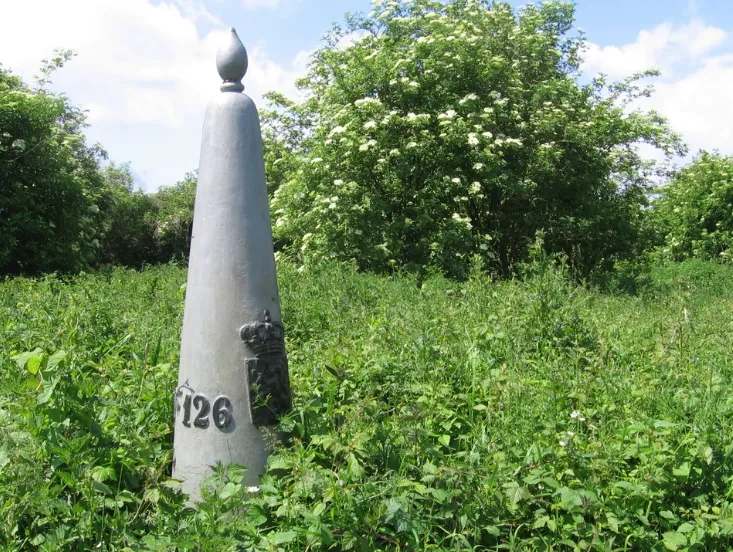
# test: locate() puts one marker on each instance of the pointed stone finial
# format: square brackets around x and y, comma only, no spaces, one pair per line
[231,62]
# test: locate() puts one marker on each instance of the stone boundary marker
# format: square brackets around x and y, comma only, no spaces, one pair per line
[233,379]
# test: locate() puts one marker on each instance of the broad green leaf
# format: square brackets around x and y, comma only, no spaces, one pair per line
[48,389]
[283,537]
[570,498]
[682,471]
[516,493]
[55,359]
[673,540]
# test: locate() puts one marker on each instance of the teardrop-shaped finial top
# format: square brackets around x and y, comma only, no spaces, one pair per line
[231,62]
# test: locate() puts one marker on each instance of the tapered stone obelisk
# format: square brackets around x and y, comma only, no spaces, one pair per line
[233,378]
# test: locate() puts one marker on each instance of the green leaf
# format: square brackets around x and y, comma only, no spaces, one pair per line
[47,392]
[707,455]
[283,537]
[570,499]
[439,494]
[151,495]
[673,540]
[444,440]
[34,363]
[229,490]
[55,359]
[686,528]
[682,471]
[30,360]
[516,493]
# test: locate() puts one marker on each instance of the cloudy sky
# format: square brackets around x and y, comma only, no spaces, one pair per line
[145,68]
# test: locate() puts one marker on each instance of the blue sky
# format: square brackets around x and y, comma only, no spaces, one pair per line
[145,68]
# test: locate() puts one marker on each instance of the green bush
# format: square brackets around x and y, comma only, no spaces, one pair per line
[127,221]
[49,179]
[454,129]
[694,211]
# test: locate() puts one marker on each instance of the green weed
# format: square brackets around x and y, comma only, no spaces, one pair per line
[516,415]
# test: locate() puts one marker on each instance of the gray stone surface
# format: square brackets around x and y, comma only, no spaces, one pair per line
[231,283]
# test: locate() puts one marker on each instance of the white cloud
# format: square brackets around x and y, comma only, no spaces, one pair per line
[694,90]
[143,70]
[662,47]
[254,4]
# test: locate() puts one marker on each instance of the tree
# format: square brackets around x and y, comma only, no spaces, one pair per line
[174,219]
[694,212]
[49,178]
[127,225]
[453,129]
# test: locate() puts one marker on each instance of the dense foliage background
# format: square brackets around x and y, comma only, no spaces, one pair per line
[430,133]
[483,395]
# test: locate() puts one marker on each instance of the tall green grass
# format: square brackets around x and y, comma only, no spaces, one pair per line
[432,415]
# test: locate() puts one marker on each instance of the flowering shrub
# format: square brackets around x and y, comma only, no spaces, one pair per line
[695,210]
[447,130]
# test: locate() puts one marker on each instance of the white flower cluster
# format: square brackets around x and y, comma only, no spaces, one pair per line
[462,220]
[367,101]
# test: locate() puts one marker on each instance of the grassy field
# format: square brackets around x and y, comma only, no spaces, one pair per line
[520,415]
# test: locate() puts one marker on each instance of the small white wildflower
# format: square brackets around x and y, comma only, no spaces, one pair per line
[478,166]
[473,139]
[338,130]
[256,489]
[487,134]
[338,182]
[364,147]
[328,142]
[394,152]
[575,414]
[369,124]
[475,187]
[412,145]
[563,443]
[316,160]
[571,434]
[468,98]
[456,180]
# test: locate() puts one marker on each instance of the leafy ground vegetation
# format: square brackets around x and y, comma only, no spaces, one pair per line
[529,414]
